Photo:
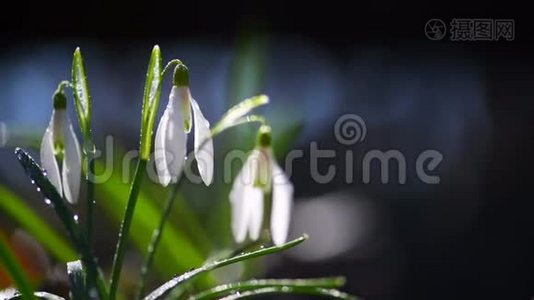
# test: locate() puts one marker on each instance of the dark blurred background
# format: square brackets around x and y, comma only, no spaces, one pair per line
[469,237]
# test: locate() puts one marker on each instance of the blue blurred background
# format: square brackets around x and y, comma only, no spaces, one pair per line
[470,236]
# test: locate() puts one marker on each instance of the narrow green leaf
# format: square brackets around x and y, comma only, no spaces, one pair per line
[82,101]
[174,282]
[52,197]
[15,207]
[234,115]
[230,288]
[14,271]
[330,293]
[62,209]
[150,101]
[80,92]
[76,280]
[39,295]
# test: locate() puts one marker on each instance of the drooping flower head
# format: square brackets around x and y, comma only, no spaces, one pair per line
[261,181]
[173,128]
[60,151]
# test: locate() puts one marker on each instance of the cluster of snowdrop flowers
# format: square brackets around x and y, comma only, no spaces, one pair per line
[174,126]
[60,151]
[261,184]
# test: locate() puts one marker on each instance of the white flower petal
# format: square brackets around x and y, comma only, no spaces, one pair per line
[204,155]
[159,151]
[281,205]
[239,218]
[48,159]
[240,211]
[183,97]
[254,198]
[170,143]
[72,161]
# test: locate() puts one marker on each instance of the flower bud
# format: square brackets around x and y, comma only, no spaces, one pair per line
[180,76]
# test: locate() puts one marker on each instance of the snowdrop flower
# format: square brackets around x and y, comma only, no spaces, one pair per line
[260,178]
[60,144]
[171,135]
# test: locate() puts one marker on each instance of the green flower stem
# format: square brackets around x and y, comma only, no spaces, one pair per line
[90,203]
[15,272]
[230,288]
[169,65]
[178,280]
[125,227]
[62,85]
[312,291]
[156,237]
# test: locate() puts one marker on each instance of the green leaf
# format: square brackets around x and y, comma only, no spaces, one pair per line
[14,271]
[52,197]
[76,280]
[234,116]
[40,295]
[150,101]
[80,92]
[63,211]
[330,293]
[15,207]
[178,280]
[230,288]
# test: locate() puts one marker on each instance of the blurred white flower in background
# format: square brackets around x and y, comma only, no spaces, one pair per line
[337,223]
[260,177]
